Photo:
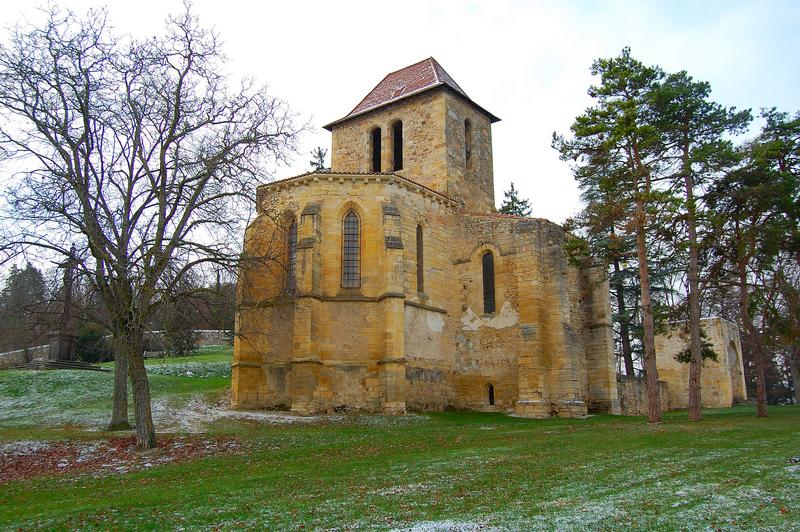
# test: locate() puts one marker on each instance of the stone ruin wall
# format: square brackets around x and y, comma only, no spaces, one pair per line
[721,381]
[633,396]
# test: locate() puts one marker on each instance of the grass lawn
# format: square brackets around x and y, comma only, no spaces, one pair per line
[206,354]
[449,471]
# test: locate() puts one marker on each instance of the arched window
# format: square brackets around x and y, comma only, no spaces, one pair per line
[397,145]
[490,389]
[487,261]
[351,251]
[376,149]
[468,142]
[420,261]
[291,259]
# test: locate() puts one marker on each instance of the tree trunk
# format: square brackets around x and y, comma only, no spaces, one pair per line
[624,326]
[795,364]
[695,346]
[651,371]
[119,412]
[145,432]
[750,340]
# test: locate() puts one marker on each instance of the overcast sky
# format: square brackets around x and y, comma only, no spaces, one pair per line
[527,62]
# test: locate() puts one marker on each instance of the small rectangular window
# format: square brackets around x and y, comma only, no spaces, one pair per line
[376,149]
[397,143]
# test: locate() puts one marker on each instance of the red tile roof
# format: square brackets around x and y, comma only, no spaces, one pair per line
[331,174]
[419,77]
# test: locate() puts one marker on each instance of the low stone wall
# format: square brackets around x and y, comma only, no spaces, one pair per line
[632,392]
[203,337]
[22,356]
[214,337]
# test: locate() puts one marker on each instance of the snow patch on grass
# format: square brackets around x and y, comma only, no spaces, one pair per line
[23,447]
[192,369]
[448,525]
[404,489]
[198,413]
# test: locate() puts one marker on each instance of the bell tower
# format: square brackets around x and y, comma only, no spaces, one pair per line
[418,123]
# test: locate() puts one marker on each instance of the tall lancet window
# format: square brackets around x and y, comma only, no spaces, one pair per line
[420,261]
[487,261]
[351,251]
[468,142]
[376,149]
[397,145]
[291,259]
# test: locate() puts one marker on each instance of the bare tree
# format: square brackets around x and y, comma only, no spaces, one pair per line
[140,154]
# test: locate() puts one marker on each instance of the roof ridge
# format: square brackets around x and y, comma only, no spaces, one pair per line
[433,63]
[405,67]
[410,80]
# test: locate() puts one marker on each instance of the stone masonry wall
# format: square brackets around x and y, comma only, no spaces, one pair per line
[534,345]
[388,345]
[424,156]
[633,395]
[22,356]
[338,348]
[434,146]
[721,381]
[471,176]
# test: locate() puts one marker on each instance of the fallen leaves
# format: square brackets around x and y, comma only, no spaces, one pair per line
[116,455]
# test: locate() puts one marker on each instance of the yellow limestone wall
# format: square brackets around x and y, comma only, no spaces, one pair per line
[721,382]
[391,344]
[387,346]
[434,146]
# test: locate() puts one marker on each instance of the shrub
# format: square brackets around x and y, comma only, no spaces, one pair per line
[93,344]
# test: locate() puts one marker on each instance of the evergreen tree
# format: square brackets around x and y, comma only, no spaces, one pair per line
[317,161]
[23,302]
[694,129]
[602,238]
[512,204]
[618,152]
[755,219]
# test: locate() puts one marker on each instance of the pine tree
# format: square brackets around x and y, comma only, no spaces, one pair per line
[22,308]
[317,161]
[694,128]
[756,218]
[512,204]
[617,150]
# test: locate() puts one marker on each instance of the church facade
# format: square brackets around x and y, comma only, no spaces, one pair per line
[391,283]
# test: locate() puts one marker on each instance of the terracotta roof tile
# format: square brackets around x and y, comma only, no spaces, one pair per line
[419,77]
[331,174]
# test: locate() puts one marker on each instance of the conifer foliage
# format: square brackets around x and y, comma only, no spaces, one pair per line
[707,224]
[513,204]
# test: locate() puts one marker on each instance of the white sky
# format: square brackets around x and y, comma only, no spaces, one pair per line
[526,62]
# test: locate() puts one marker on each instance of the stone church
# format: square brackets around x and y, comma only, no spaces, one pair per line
[391,283]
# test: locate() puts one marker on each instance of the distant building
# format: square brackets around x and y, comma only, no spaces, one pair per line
[401,287]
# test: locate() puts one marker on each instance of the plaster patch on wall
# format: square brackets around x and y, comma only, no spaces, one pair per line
[507,317]
[435,321]
[423,333]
